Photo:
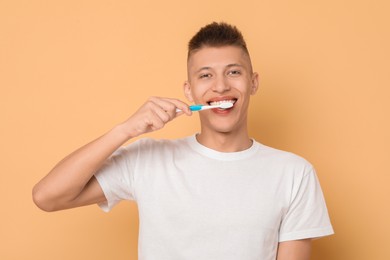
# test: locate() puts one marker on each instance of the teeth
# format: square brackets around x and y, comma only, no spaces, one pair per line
[216,103]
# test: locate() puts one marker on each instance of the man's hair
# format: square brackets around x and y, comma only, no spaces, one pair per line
[216,35]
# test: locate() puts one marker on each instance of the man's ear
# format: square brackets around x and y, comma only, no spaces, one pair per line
[187,91]
[255,83]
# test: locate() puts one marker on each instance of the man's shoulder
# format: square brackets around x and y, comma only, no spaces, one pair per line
[281,156]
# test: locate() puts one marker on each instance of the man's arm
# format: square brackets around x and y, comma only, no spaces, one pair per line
[294,250]
[71,182]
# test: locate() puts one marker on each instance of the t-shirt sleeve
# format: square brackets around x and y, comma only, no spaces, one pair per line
[307,216]
[116,177]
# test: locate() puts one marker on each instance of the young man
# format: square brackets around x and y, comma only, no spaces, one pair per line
[216,195]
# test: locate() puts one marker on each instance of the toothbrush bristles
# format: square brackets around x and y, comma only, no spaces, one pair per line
[225,105]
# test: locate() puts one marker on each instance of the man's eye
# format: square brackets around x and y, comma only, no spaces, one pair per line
[234,72]
[205,76]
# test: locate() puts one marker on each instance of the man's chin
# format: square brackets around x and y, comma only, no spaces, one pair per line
[223,129]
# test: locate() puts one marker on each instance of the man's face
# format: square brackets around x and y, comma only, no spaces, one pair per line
[221,74]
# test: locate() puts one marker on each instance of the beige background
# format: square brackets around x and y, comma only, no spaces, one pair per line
[70,70]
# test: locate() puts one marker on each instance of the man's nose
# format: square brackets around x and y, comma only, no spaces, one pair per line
[221,85]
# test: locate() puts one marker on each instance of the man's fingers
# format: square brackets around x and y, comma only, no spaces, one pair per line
[182,106]
[163,114]
[170,105]
[154,114]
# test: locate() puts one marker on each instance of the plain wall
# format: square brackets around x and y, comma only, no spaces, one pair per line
[71,70]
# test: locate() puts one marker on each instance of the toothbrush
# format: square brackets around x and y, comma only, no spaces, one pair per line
[205,107]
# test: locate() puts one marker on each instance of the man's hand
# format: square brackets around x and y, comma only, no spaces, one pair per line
[153,115]
[294,250]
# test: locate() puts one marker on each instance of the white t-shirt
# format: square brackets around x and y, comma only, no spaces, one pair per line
[198,203]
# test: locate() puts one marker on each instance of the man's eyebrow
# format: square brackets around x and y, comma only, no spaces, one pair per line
[227,66]
[234,65]
[203,68]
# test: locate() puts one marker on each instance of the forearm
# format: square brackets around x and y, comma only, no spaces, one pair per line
[69,177]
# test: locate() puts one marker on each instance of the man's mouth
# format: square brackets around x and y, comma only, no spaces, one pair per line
[216,103]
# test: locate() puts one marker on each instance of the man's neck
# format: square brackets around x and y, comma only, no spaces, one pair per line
[225,142]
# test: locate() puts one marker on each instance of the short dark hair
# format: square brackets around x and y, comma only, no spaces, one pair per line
[217,35]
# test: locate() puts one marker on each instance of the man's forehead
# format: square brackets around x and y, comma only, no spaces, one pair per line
[208,57]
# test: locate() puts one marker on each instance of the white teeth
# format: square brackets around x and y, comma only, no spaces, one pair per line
[216,103]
